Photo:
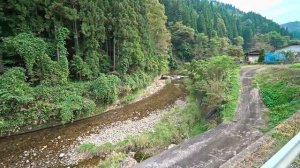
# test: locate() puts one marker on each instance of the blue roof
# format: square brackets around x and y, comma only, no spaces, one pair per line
[274,57]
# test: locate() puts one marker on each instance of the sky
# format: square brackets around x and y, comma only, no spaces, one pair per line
[280,11]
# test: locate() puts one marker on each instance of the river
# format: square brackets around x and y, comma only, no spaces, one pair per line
[42,148]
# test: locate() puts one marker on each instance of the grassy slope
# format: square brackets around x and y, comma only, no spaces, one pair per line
[233,97]
[280,89]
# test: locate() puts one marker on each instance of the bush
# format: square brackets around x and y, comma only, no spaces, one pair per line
[135,81]
[73,106]
[106,88]
[212,78]
[15,93]
[16,96]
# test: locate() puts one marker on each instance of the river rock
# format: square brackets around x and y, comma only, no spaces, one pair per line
[128,162]
[131,154]
[61,155]
[171,146]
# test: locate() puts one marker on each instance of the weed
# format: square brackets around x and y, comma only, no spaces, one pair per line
[112,161]
[280,92]
[297,65]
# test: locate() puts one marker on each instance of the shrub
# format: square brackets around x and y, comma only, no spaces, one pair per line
[212,78]
[73,106]
[15,98]
[105,88]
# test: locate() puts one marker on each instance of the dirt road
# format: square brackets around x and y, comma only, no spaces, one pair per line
[218,145]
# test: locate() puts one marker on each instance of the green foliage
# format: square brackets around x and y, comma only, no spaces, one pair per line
[290,56]
[213,78]
[135,81]
[81,68]
[15,93]
[261,57]
[236,52]
[297,65]
[73,106]
[39,65]
[106,88]
[29,47]
[232,97]
[88,148]
[280,93]
[56,40]
[216,19]
[112,161]
[277,40]
[132,96]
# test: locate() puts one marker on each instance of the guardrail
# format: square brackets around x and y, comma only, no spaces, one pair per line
[286,155]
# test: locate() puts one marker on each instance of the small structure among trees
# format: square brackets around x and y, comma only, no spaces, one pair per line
[252,56]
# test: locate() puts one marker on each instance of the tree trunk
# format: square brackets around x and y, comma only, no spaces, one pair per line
[75,34]
[57,49]
[1,64]
[114,54]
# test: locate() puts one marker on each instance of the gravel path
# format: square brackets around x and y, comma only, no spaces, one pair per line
[215,147]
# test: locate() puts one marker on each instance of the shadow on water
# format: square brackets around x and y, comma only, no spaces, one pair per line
[12,148]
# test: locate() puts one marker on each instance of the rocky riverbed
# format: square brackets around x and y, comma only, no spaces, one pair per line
[50,147]
[118,131]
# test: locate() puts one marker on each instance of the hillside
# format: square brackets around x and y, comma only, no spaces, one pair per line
[219,24]
[293,28]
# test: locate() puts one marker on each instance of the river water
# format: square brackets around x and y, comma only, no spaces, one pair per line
[42,148]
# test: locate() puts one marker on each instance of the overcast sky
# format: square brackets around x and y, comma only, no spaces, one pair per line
[280,11]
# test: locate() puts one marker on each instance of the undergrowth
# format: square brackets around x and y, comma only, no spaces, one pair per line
[233,96]
[297,65]
[280,89]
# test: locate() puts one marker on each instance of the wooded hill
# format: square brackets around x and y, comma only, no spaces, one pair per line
[293,28]
[220,25]
[59,58]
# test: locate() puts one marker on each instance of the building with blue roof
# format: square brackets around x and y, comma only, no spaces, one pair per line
[273,58]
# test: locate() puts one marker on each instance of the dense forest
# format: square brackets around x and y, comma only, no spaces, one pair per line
[293,28]
[206,28]
[60,59]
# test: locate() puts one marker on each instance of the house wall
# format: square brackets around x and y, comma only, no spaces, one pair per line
[253,59]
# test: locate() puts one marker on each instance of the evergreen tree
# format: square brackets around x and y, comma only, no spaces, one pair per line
[261,57]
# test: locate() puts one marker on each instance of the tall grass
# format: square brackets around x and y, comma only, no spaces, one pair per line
[232,97]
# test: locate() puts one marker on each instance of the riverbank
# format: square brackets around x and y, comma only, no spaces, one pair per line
[43,148]
[86,147]
[132,97]
[177,126]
